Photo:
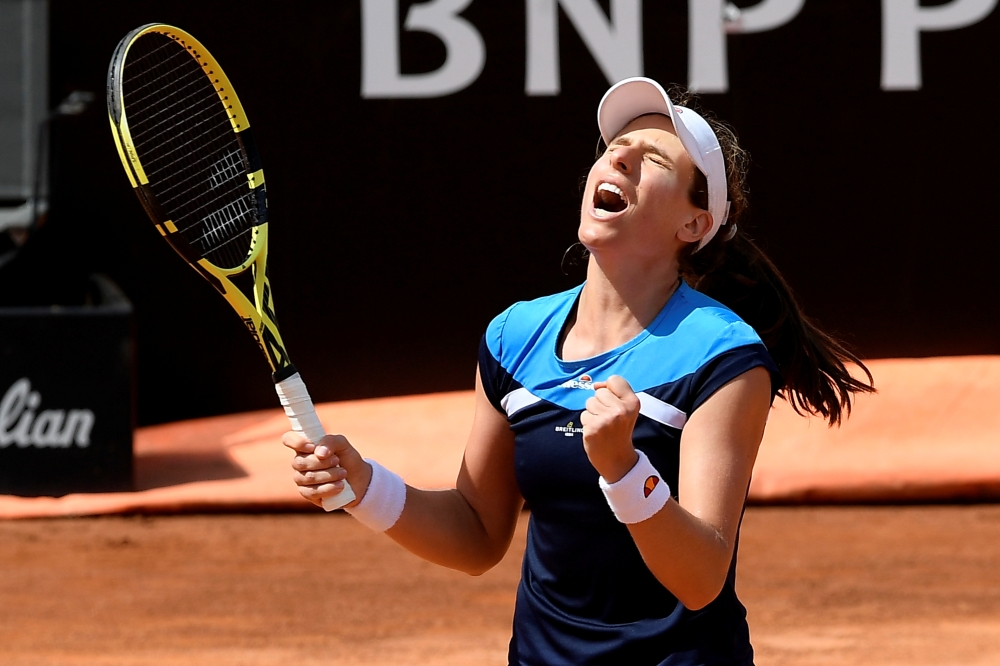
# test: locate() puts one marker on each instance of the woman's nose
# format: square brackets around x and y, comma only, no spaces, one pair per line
[621,160]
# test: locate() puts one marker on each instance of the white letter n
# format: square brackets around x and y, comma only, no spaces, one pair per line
[616,44]
[380,66]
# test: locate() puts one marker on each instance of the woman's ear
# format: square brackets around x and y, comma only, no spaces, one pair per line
[696,228]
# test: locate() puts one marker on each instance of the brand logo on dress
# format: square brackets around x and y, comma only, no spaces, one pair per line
[568,430]
[52,428]
[581,382]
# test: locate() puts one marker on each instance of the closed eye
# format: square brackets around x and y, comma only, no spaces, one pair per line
[650,150]
[660,160]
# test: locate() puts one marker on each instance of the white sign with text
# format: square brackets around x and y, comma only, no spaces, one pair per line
[615,41]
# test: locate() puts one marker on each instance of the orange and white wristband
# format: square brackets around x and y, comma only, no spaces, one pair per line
[638,495]
[383,502]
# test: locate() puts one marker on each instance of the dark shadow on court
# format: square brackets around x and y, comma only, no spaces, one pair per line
[171,454]
[165,468]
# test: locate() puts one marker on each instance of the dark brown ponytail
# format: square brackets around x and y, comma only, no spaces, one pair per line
[734,271]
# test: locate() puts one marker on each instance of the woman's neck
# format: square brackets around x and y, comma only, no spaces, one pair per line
[616,304]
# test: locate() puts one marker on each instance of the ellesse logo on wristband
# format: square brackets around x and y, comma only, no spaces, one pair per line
[647,487]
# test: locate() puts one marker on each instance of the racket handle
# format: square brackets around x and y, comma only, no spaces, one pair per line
[302,415]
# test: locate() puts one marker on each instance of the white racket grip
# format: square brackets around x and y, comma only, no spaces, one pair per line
[300,411]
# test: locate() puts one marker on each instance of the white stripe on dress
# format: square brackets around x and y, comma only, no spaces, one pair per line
[660,411]
[517,400]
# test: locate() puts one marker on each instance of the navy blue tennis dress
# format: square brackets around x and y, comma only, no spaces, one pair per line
[585,596]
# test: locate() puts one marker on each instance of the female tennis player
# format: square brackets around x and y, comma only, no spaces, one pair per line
[627,412]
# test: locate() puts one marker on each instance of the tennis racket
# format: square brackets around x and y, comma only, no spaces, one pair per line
[187,148]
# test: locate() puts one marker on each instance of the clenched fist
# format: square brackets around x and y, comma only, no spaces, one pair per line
[608,421]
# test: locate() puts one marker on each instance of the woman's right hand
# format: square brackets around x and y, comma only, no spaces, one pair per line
[320,469]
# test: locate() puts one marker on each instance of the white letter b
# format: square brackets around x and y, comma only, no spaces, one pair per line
[380,69]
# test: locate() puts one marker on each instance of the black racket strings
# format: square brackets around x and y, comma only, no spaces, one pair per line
[192,157]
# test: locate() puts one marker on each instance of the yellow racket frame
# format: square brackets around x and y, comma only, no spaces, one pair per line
[257,316]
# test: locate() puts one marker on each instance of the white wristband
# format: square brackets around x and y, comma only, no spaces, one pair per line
[638,495]
[383,502]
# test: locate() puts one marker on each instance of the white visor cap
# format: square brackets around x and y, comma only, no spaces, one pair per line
[627,100]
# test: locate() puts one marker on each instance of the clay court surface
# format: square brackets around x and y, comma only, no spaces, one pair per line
[215,559]
[824,585]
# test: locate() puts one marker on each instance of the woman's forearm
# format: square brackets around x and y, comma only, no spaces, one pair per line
[442,527]
[686,554]
[471,527]
[689,545]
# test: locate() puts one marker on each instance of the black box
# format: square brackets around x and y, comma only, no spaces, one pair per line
[66,398]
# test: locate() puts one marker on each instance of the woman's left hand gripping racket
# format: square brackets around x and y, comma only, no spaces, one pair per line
[187,148]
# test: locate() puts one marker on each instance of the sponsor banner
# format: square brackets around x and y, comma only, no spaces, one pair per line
[66,413]
[21,425]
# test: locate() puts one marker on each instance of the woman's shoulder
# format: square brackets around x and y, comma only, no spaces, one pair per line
[707,310]
[700,305]
[524,320]
[709,342]
[708,323]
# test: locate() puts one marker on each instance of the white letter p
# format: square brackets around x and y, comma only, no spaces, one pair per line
[902,22]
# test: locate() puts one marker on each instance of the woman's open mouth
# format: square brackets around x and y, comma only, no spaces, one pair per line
[609,198]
